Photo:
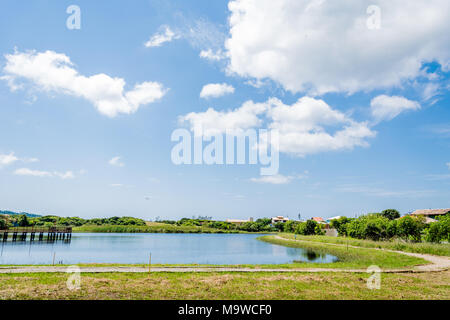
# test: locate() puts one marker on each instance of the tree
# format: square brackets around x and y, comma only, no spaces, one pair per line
[440,230]
[341,225]
[3,223]
[310,227]
[290,226]
[410,228]
[391,214]
[23,221]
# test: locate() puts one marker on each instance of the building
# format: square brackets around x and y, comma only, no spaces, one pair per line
[279,219]
[239,222]
[318,219]
[430,213]
[333,218]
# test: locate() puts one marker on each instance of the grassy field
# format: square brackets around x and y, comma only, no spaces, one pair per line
[151,227]
[218,286]
[439,249]
[240,285]
[348,257]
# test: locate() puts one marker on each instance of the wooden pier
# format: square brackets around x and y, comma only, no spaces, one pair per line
[50,234]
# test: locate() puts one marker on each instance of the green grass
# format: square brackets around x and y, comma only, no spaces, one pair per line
[348,257]
[439,249]
[223,286]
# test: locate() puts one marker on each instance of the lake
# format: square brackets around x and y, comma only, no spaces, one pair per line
[131,248]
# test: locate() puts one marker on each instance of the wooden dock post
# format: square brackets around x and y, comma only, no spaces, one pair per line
[21,233]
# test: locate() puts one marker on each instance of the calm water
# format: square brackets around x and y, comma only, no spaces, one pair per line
[165,248]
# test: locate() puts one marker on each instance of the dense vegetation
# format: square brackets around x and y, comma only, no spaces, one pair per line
[130,224]
[387,226]
[50,221]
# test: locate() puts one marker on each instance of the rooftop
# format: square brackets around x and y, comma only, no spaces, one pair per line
[430,212]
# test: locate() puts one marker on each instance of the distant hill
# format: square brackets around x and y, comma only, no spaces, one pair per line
[11,213]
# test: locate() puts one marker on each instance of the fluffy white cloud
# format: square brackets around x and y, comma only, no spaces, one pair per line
[326,46]
[275,179]
[44,174]
[215,90]
[116,162]
[213,122]
[54,72]
[158,39]
[311,126]
[387,108]
[306,127]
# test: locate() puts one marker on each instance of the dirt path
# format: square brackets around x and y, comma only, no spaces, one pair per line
[52,269]
[437,263]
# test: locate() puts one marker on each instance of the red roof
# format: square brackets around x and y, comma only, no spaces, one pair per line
[318,219]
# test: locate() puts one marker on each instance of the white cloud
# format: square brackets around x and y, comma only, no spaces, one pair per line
[116,185]
[387,108]
[306,127]
[212,55]
[116,162]
[54,72]
[44,174]
[7,159]
[159,38]
[278,179]
[311,126]
[65,175]
[215,90]
[374,191]
[275,179]
[213,122]
[322,46]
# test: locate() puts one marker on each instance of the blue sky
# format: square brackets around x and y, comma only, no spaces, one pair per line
[57,143]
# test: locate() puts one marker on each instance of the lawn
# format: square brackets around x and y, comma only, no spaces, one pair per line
[242,285]
[220,286]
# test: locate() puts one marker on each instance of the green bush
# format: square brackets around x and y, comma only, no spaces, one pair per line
[371,226]
[410,228]
[309,228]
[390,214]
[439,231]
[341,225]
[23,221]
